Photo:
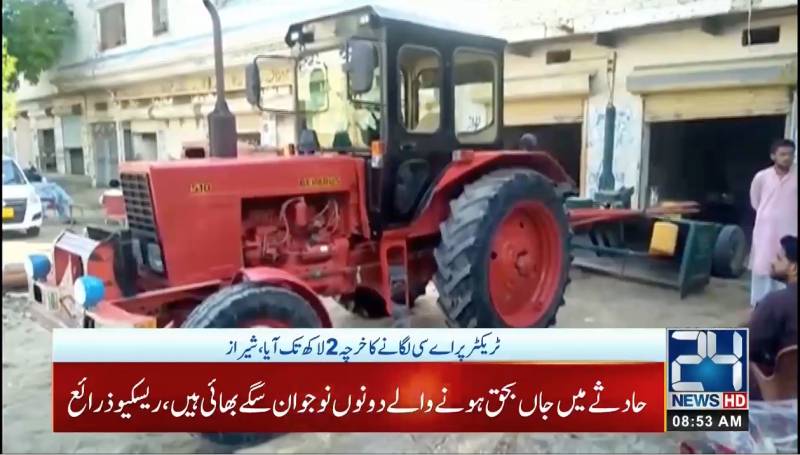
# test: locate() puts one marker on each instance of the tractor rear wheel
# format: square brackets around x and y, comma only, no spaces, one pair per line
[504,258]
[251,305]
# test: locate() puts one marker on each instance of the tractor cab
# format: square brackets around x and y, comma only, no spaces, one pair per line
[401,92]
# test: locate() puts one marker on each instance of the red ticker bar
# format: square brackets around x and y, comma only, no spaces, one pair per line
[358,397]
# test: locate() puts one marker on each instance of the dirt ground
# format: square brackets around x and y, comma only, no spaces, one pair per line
[592,301]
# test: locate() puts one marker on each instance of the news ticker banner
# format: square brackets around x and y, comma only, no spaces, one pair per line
[399,380]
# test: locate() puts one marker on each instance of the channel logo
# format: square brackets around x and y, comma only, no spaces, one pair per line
[707,369]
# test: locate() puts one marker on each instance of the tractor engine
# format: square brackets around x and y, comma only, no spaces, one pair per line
[306,235]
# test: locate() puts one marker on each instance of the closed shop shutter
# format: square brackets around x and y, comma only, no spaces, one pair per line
[71,126]
[147,126]
[709,104]
[248,123]
[544,111]
[43,123]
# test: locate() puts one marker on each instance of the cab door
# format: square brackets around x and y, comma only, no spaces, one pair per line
[420,124]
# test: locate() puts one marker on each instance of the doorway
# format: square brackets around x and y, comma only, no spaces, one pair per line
[106,160]
[47,151]
[712,162]
[145,146]
[75,160]
[562,140]
[127,142]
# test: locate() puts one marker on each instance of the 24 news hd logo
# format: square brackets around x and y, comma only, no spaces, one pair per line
[707,369]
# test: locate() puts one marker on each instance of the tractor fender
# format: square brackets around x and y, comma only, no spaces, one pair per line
[278,277]
[435,205]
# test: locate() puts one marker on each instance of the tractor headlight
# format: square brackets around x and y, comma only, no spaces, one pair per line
[37,266]
[88,291]
[154,259]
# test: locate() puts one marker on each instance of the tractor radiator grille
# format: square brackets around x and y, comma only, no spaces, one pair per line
[139,205]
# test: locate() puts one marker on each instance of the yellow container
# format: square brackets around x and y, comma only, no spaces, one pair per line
[664,239]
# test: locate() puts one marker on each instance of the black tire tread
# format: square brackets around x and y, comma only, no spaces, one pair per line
[727,263]
[459,235]
[239,302]
[227,307]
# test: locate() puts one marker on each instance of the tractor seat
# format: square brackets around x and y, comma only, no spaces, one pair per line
[429,123]
[307,143]
[342,139]
[412,179]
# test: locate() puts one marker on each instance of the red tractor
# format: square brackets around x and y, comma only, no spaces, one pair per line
[399,179]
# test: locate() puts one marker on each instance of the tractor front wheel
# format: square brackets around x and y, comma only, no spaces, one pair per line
[251,305]
[504,258]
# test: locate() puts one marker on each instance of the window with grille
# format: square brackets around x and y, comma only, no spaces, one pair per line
[112,26]
[160,17]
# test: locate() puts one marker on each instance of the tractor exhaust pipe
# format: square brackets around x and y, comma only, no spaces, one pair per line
[221,121]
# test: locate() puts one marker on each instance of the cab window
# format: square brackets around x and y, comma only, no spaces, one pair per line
[420,85]
[475,76]
[318,89]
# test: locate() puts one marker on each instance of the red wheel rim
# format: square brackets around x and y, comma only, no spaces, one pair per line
[525,264]
[265,322]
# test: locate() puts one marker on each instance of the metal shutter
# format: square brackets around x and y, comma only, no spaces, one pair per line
[248,123]
[72,131]
[544,111]
[708,104]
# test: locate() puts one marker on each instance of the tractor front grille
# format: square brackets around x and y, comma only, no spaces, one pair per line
[19,206]
[139,206]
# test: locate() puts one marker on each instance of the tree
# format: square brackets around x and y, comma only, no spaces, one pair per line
[36,31]
[9,70]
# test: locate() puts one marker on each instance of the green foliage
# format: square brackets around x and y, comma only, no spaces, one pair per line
[9,70]
[36,31]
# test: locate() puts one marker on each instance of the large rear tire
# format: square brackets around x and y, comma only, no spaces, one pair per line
[504,257]
[251,305]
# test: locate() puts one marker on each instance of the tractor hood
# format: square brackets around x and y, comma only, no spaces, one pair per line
[193,208]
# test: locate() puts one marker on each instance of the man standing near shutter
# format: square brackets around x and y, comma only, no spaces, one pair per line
[773,195]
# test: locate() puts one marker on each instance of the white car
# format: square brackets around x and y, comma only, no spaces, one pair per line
[22,208]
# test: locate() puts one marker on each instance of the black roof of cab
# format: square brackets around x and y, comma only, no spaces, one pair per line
[380,15]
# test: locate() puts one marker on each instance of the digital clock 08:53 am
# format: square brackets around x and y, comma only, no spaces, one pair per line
[707,420]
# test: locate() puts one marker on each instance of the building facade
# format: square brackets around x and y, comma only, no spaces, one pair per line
[700,87]
[698,100]
[137,83]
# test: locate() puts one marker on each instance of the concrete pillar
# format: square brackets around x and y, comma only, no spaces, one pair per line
[120,127]
[35,138]
[88,152]
[162,152]
[58,134]
[269,131]
[791,123]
